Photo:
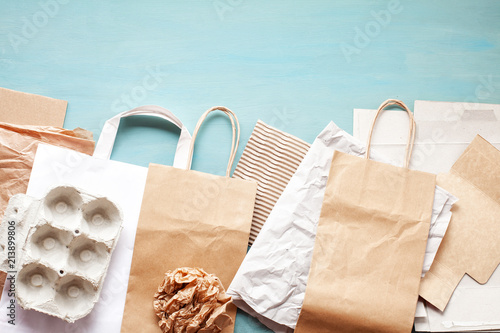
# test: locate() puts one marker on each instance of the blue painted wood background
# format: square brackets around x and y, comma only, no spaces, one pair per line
[294,64]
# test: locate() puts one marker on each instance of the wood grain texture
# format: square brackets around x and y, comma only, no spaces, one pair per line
[294,64]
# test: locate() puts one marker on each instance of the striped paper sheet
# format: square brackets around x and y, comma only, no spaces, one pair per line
[270,157]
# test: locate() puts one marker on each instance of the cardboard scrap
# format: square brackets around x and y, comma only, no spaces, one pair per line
[29,109]
[471,244]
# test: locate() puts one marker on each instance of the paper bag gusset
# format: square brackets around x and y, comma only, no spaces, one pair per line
[370,245]
[472,243]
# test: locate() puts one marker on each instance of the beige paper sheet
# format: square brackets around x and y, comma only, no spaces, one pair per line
[29,109]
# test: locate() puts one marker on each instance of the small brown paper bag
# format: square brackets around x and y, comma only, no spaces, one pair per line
[369,246]
[472,243]
[188,219]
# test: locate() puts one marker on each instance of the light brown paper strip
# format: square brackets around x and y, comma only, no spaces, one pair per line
[28,109]
[18,146]
[472,243]
[270,158]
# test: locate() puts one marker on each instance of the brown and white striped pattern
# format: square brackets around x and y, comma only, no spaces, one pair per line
[270,157]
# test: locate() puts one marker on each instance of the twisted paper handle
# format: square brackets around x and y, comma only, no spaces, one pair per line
[411,133]
[236,135]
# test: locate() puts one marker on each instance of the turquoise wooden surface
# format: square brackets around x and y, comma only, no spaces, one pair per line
[294,64]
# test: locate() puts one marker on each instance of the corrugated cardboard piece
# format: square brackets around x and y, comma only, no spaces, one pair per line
[28,109]
[188,219]
[370,245]
[270,158]
[471,245]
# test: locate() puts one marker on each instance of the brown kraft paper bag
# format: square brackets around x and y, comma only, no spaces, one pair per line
[472,242]
[188,219]
[370,245]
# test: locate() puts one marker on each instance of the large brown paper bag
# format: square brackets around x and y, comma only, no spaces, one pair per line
[472,243]
[188,219]
[370,245]
[18,145]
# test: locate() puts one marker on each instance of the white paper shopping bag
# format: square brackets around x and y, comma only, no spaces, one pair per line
[123,184]
[271,281]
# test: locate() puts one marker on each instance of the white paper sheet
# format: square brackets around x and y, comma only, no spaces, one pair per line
[441,216]
[272,279]
[444,130]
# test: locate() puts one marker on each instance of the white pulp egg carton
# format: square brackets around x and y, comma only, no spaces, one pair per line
[63,247]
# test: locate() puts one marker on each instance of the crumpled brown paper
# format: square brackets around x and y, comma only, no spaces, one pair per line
[18,144]
[190,300]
